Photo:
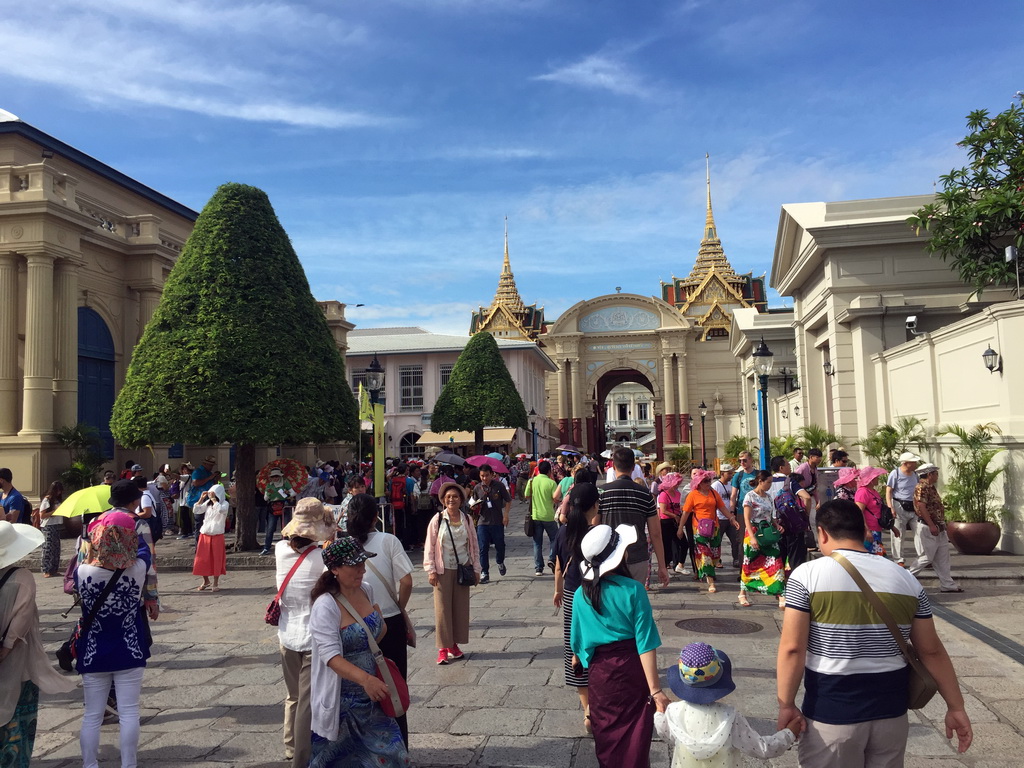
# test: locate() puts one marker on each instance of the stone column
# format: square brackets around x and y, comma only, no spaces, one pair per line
[563,390]
[683,390]
[149,300]
[37,404]
[669,395]
[65,383]
[8,343]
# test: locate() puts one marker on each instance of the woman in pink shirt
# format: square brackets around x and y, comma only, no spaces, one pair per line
[670,512]
[870,503]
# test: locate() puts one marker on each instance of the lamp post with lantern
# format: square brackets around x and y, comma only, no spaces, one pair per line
[375,383]
[533,430]
[702,409]
[763,359]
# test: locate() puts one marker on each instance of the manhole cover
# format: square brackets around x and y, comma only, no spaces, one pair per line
[716,626]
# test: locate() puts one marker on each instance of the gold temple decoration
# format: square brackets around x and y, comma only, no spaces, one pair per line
[508,317]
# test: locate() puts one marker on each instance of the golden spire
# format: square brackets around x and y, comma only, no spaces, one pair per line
[507,294]
[710,231]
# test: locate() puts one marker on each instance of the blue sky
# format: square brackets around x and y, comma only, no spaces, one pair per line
[393,136]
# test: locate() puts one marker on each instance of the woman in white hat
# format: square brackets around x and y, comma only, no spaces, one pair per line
[211,552]
[24,668]
[614,637]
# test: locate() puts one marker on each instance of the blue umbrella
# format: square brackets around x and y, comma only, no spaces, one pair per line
[496,455]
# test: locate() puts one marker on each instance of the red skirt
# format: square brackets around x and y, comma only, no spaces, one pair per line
[211,558]
[621,712]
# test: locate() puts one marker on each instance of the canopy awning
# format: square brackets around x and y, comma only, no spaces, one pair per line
[492,436]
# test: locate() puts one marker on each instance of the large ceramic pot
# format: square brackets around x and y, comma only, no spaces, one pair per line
[973,538]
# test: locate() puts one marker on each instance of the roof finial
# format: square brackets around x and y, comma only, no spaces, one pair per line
[507,266]
[710,231]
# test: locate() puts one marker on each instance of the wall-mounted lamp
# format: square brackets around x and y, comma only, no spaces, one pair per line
[992,359]
[796,410]
[784,414]
[753,406]
[829,370]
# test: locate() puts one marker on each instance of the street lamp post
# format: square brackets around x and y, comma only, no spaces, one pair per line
[689,434]
[533,430]
[763,359]
[375,383]
[702,409]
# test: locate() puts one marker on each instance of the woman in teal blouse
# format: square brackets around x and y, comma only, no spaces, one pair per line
[613,635]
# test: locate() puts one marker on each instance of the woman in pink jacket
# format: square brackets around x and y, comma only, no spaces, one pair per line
[451,543]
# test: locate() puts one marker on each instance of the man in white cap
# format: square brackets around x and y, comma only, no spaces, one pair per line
[899,495]
[930,538]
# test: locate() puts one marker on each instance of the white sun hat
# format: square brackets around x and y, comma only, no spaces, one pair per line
[604,548]
[16,541]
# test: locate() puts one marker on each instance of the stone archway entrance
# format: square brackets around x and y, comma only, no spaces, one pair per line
[605,384]
[600,343]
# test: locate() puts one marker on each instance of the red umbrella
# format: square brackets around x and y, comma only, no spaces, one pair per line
[294,472]
[487,461]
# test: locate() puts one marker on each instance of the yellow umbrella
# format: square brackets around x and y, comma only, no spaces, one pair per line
[86,501]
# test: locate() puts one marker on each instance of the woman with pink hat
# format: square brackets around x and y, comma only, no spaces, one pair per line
[700,514]
[845,485]
[870,503]
[670,512]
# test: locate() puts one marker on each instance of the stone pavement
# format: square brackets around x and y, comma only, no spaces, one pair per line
[212,694]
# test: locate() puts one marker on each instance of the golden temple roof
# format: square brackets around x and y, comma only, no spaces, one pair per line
[710,255]
[507,294]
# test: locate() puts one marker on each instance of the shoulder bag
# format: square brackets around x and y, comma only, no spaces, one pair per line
[465,575]
[921,686]
[398,701]
[528,524]
[68,652]
[410,630]
[2,582]
[273,614]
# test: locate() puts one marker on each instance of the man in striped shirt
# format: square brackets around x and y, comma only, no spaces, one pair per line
[855,677]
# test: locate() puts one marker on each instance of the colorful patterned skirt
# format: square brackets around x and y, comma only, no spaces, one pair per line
[708,550]
[762,569]
[873,543]
[19,735]
[367,738]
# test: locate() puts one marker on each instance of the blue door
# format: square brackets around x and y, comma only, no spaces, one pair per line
[96,376]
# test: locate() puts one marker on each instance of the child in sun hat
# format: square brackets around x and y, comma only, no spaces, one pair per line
[700,730]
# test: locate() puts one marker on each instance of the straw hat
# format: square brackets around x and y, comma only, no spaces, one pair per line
[661,467]
[310,520]
[16,541]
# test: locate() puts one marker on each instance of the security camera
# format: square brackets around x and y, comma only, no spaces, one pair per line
[912,324]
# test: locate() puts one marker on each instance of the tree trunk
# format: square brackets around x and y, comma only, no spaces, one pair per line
[245,488]
[478,441]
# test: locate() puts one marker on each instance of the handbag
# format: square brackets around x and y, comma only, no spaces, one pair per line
[397,702]
[273,614]
[705,527]
[767,534]
[886,519]
[465,575]
[528,525]
[921,686]
[410,630]
[68,652]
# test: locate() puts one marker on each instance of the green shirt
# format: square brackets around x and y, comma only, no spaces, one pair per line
[625,615]
[541,490]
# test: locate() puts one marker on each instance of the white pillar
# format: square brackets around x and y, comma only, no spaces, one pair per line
[684,397]
[576,382]
[65,383]
[8,343]
[670,386]
[37,405]
[563,389]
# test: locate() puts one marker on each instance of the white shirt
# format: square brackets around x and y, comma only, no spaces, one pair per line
[715,736]
[725,493]
[393,564]
[215,518]
[638,474]
[293,628]
[52,520]
[461,539]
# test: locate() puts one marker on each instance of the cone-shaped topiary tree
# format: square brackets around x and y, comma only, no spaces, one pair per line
[238,350]
[480,393]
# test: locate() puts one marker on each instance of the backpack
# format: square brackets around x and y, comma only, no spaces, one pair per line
[156,520]
[398,492]
[789,511]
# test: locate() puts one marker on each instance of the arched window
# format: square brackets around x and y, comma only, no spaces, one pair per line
[407,445]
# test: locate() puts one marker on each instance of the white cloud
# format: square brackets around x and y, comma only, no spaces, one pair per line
[495,153]
[600,71]
[179,56]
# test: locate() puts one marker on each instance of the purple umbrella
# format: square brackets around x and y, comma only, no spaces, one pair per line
[487,461]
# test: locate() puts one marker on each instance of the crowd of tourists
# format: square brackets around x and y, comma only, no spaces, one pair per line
[344,586]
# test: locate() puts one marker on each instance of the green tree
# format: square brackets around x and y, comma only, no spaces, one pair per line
[82,442]
[980,209]
[480,393]
[783,446]
[816,436]
[885,442]
[736,444]
[969,496]
[238,350]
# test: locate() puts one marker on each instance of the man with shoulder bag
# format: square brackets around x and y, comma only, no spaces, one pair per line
[899,495]
[847,616]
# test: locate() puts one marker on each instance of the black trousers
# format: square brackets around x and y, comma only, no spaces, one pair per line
[794,548]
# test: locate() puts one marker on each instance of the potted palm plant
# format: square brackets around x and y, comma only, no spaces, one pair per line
[972,507]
